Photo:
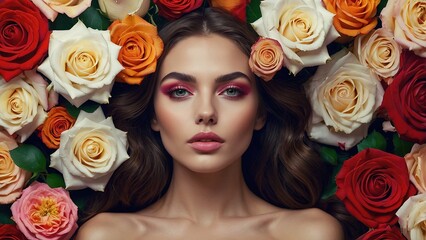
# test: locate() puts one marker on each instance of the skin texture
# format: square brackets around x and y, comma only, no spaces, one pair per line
[208,198]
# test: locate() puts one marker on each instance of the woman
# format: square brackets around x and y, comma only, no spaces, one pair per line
[216,153]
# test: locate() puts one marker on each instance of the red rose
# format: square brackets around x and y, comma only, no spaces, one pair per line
[373,185]
[390,233]
[405,98]
[174,9]
[24,37]
[11,232]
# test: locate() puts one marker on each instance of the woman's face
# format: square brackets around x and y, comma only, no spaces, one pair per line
[206,103]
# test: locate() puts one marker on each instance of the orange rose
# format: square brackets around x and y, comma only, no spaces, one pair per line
[57,121]
[266,58]
[141,47]
[235,7]
[353,17]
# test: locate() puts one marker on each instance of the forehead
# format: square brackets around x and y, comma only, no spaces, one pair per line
[206,53]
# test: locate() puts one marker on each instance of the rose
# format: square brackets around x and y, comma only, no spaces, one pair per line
[90,152]
[302,27]
[45,213]
[381,233]
[82,64]
[119,9]
[141,47]
[412,218]
[266,58]
[235,7]
[172,10]
[57,121]
[405,19]
[416,166]
[379,52]
[404,99]
[12,178]
[24,37]
[10,232]
[353,17]
[23,102]
[344,95]
[72,8]
[372,185]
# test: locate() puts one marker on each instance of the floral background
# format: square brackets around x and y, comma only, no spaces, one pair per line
[363,67]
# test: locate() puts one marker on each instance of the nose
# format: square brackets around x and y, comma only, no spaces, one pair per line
[206,111]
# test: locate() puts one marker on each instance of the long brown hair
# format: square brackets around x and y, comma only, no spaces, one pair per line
[278,166]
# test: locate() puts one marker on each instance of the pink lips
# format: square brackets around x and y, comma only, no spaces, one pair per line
[206,142]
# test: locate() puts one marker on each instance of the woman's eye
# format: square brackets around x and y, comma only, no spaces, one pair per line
[232,92]
[179,93]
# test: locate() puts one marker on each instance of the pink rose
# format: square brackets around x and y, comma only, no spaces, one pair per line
[45,213]
[266,58]
[12,178]
[416,160]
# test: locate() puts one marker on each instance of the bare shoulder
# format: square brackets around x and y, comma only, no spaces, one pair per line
[313,224]
[108,226]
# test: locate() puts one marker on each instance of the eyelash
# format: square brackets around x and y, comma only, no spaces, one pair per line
[172,92]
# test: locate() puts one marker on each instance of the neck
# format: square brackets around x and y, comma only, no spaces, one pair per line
[206,197]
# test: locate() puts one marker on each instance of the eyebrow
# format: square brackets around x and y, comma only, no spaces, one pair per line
[191,79]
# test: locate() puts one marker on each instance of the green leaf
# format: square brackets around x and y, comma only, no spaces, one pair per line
[81,197]
[88,106]
[331,187]
[328,155]
[29,157]
[93,18]
[55,180]
[253,11]
[5,214]
[373,140]
[63,22]
[401,147]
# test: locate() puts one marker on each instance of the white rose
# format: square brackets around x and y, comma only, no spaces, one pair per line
[119,9]
[304,28]
[72,8]
[23,101]
[82,64]
[379,52]
[90,152]
[344,95]
[412,217]
[406,20]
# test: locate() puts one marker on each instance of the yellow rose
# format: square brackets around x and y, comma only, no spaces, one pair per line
[406,20]
[412,218]
[72,8]
[21,110]
[90,151]
[379,52]
[82,64]
[12,178]
[304,28]
[416,163]
[266,58]
[344,95]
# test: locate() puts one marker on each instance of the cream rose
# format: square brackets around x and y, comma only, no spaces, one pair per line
[90,152]
[304,28]
[82,64]
[379,52]
[23,102]
[266,58]
[119,9]
[416,163]
[12,178]
[72,8]
[344,95]
[412,217]
[406,20]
